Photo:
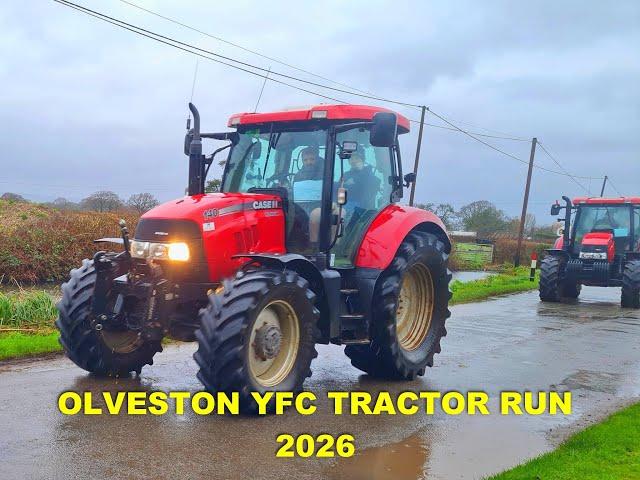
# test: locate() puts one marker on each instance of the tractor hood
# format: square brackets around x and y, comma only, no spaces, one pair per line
[598,246]
[206,208]
[218,227]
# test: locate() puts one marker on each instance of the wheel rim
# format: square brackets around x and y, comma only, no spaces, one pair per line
[272,356]
[120,342]
[415,307]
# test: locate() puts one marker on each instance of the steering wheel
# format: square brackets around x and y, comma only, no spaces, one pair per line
[281,178]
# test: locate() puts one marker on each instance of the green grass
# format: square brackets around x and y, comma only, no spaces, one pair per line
[609,450]
[17,344]
[512,280]
[27,309]
[26,324]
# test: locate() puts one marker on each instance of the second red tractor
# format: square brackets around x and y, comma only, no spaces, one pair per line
[600,247]
[304,243]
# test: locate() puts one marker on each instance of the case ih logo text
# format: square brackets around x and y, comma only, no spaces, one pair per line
[261,205]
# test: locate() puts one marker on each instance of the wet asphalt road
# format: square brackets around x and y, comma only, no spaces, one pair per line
[512,343]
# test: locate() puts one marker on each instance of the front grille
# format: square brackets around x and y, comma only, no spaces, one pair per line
[166,230]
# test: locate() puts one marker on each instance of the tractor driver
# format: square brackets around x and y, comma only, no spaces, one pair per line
[312,165]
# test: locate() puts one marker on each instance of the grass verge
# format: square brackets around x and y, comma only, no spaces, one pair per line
[511,280]
[610,449]
[26,324]
[17,344]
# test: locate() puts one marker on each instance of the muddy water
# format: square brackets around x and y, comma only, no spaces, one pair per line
[591,348]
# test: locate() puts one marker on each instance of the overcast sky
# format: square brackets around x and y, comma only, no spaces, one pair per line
[85,105]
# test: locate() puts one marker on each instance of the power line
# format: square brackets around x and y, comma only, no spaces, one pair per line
[254,52]
[152,34]
[102,17]
[474,133]
[564,169]
[502,135]
[166,40]
[499,150]
[614,187]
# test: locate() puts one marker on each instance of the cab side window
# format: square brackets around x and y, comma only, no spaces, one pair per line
[366,175]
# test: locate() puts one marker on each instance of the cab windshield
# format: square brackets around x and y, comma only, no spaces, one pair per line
[268,158]
[615,219]
[290,159]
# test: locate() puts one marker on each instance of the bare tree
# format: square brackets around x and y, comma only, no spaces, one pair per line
[444,211]
[103,201]
[62,203]
[141,202]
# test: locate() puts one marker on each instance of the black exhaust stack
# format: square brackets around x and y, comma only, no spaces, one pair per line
[196,159]
[567,223]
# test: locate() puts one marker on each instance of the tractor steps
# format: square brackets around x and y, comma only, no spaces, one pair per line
[354,329]
[348,291]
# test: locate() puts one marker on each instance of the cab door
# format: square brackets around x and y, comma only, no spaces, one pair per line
[369,176]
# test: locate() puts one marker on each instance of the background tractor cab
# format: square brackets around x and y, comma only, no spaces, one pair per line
[600,246]
[305,243]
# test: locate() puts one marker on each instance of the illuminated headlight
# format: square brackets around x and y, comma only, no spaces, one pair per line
[178,251]
[593,255]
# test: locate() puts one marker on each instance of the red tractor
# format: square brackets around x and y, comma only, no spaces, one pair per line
[303,244]
[601,247]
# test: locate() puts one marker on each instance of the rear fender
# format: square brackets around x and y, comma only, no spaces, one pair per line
[387,231]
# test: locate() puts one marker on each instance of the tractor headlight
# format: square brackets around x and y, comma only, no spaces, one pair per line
[593,255]
[178,251]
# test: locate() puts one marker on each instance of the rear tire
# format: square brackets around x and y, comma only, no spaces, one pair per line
[101,352]
[230,356]
[631,285]
[418,271]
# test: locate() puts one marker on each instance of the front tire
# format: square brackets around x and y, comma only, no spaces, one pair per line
[411,305]
[257,336]
[550,288]
[631,285]
[110,353]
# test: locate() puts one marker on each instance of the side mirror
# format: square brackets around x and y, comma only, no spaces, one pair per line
[409,178]
[555,209]
[384,129]
[342,196]
[349,146]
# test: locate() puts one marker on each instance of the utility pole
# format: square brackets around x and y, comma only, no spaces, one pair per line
[417,160]
[604,184]
[523,218]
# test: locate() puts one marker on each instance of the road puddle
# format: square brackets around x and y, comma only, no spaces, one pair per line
[405,459]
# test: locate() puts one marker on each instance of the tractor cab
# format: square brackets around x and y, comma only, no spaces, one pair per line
[599,246]
[334,167]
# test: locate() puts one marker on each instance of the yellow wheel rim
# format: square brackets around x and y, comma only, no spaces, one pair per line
[120,342]
[415,307]
[274,343]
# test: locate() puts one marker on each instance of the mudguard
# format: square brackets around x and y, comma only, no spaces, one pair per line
[325,283]
[388,230]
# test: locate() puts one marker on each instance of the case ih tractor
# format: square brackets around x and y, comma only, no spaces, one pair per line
[305,243]
[601,247]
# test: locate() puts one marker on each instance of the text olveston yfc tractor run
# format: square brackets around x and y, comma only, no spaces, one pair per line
[305,243]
